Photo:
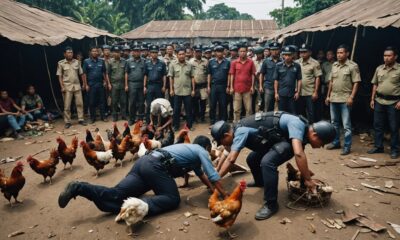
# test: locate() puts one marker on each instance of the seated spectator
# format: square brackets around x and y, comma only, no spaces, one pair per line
[32,103]
[15,115]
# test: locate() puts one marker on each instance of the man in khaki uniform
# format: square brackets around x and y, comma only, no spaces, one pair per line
[116,73]
[311,73]
[168,59]
[200,66]
[182,88]
[343,85]
[68,72]
[323,111]
[385,101]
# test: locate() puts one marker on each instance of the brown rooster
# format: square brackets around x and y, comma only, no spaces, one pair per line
[96,143]
[119,151]
[67,153]
[46,168]
[224,213]
[136,139]
[96,159]
[183,135]
[11,186]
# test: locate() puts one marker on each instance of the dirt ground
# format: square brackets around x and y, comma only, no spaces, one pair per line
[41,218]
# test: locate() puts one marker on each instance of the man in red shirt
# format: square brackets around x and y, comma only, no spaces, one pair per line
[242,74]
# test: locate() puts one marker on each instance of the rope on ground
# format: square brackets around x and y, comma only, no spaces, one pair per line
[51,83]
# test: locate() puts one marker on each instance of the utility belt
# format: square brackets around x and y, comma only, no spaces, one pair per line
[169,163]
[388,97]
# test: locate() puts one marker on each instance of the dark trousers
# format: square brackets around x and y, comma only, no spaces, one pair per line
[153,92]
[264,168]
[97,98]
[218,96]
[306,107]
[257,101]
[199,108]
[287,104]
[187,102]
[118,100]
[136,103]
[147,174]
[229,104]
[381,113]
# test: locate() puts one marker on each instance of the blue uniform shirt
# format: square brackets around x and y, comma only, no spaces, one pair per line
[268,69]
[288,123]
[195,157]
[94,70]
[219,71]
[155,72]
[287,77]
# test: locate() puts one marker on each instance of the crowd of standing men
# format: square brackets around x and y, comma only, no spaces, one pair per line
[237,80]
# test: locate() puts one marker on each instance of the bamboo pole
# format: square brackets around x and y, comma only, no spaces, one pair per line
[354,43]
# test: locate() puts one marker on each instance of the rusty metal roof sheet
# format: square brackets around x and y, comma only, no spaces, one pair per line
[369,13]
[29,25]
[203,28]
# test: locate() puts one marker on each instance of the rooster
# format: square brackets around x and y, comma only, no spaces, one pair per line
[225,212]
[127,130]
[151,144]
[183,135]
[132,211]
[119,151]
[11,186]
[96,159]
[46,168]
[168,139]
[96,144]
[67,153]
[136,139]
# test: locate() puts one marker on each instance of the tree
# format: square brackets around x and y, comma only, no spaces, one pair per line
[302,9]
[223,12]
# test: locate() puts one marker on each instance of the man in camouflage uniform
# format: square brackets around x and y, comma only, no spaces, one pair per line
[116,74]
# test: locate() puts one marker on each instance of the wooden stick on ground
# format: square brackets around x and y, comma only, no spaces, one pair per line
[380,189]
[44,150]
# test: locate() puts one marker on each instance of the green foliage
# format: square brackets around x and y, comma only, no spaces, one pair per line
[302,9]
[223,12]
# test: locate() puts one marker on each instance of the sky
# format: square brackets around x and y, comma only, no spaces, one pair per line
[259,9]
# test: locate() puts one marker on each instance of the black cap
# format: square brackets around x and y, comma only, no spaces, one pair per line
[274,46]
[216,43]
[325,131]
[126,48]
[105,46]
[163,46]
[234,48]
[153,48]
[304,48]
[115,48]
[197,48]
[258,50]
[288,50]
[219,48]
[218,130]
[207,49]
[136,47]
[145,46]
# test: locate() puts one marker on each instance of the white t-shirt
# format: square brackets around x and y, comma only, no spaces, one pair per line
[161,106]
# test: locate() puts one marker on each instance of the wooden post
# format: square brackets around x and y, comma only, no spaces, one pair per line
[354,43]
[307,35]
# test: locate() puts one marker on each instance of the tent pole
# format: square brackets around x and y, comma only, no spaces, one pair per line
[95,41]
[354,43]
[307,35]
[51,83]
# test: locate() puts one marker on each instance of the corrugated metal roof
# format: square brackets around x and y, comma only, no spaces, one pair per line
[203,28]
[29,25]
[369,13]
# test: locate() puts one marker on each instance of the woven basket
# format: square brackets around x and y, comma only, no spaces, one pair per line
[322,198]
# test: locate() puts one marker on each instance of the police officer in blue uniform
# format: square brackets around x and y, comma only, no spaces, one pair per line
[274,138]
[267,76]
[155,171]
[94,69]
[287,81]
[218,84]
[155,79]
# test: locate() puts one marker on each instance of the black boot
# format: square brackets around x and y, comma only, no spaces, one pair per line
[267,211]
[69,192]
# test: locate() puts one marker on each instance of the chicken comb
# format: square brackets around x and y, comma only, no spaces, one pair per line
[126,124]
[186,127]
[20,164]
[114,124]
[243,183]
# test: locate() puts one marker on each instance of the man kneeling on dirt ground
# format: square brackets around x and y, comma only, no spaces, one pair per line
[274,138]
[155,171]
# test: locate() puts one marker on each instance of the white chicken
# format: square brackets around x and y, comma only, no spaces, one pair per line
[142,150]
[104,156]
[132,211]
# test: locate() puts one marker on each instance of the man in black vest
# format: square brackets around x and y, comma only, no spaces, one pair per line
[274,138]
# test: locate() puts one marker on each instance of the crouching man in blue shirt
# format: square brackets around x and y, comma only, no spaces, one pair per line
[155,171]
[274,138]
